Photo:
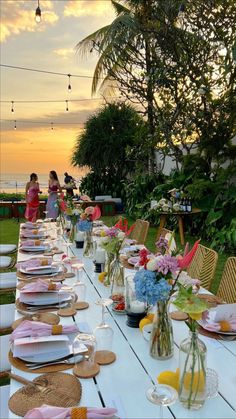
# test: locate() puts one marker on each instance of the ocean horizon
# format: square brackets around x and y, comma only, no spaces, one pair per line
[16,182]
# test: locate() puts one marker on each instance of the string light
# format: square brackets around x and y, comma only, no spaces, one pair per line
[52,126]
[69,85]
[12,106]
[15,125]
[112,127]
[67,108]
[119,107]
[38,14]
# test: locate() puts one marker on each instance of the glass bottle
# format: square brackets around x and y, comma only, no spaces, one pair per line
[192,370]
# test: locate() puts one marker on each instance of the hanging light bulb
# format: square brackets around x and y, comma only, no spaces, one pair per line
[119,107]
[52,126]
[137,124]
[67,108]
[38,14]
[69,85]
[15,125]
[112,127]
[12,106]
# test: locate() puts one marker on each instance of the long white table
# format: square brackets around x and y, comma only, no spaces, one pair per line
[123,383]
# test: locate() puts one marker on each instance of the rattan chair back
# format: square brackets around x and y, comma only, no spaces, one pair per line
[203,265]
[140,231]
[227,287]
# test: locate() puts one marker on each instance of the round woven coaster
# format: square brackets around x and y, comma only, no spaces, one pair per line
[81,305]
[104,357]
[69,275]
[60,384]
[86,370]
[48,318]
[21,365]
[66,312]
[178,315]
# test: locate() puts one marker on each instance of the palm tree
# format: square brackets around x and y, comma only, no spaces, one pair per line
[116,43]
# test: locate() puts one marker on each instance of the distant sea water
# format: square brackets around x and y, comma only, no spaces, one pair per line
[15,182]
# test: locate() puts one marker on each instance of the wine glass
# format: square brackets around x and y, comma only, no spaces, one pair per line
[68,243]
[162,395]
[103,332]
[66,300]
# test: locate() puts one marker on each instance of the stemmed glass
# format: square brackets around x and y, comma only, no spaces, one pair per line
[103,332]
[68,243]
[162,395]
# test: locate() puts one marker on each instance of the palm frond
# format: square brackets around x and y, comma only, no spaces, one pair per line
[84,46]
[119,8]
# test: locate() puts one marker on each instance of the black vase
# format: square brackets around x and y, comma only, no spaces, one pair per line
[79,244]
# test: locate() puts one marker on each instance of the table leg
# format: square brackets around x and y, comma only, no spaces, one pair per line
[163,219]
[181,229]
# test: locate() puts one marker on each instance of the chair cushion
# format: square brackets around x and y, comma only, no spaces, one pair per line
[7,248]
[8,280]
[5,261]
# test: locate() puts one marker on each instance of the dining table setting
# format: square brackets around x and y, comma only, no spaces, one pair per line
[77,348]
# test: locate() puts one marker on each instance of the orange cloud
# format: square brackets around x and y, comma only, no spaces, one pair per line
[18,17]
[88,8]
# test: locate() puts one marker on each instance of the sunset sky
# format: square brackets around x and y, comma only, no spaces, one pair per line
[49,46]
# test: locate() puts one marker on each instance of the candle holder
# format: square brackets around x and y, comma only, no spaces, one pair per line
[135,310]
[99,267]
[79,244]
[79,239]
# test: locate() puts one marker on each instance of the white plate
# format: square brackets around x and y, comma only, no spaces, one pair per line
[35,248]
[47,357]
[45,271]
[215,331]
[40,299]
[134,260]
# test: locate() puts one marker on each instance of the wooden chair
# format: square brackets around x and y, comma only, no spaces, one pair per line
[140,231]
[227,287]
[203,265]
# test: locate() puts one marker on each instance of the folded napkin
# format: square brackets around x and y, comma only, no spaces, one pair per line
[41,285]
[32,232]
[225,325]
[34,263]
[31,243]
[36,329]
[46,412]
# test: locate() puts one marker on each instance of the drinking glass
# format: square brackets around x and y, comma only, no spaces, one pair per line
[211,383]
[89,341]
[103,332]
[162,395]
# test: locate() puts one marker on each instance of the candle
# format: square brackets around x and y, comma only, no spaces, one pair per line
[79,236]
[137,307]
[100,256]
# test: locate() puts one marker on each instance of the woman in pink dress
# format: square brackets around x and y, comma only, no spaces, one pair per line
[32,198]
[53,188]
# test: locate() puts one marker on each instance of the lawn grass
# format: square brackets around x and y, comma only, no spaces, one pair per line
[9,233]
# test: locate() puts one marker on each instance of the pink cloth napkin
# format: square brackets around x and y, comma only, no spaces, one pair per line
[48,412]
[216,327]
[34,263]
[35,329]
[41,285]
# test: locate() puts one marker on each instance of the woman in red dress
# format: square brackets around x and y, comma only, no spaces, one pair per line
[32,198]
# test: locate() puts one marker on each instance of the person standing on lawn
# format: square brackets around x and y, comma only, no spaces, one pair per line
[32,191]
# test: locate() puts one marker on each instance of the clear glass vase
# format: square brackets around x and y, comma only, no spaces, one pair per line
[117,279]
[88,245]
[192,370]
[109,259]
[161,342]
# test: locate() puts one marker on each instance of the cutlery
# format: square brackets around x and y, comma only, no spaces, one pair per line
[58,397]
[68,361]
[22,380]
[229,338]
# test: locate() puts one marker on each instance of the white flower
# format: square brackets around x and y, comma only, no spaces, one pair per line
[176,207]
[165,207]
[105,239]
[162,201]
[152,264]
[121,235]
